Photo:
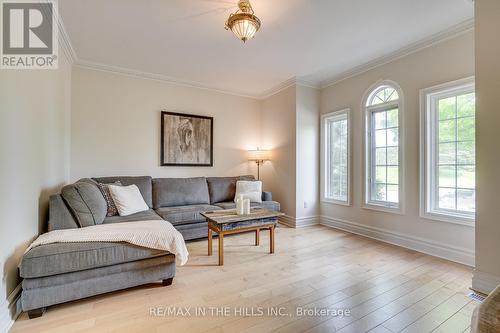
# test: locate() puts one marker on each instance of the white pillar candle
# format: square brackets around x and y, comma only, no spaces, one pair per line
[246,205]
[239,205]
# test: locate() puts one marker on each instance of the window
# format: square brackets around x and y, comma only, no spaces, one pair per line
[335,155]
[449,162]
[383,178]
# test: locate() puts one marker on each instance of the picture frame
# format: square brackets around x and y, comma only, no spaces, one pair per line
[186,140]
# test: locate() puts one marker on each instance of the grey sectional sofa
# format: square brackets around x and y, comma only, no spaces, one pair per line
[62,272]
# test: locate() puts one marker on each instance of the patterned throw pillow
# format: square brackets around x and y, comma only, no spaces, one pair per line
[104,188]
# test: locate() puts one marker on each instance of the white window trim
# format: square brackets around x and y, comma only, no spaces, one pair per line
[426,157]
[324,158]
[368,110]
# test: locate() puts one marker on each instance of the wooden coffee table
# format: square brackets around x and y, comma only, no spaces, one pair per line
[225,222]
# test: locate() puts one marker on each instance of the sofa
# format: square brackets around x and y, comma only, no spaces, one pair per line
[62,272]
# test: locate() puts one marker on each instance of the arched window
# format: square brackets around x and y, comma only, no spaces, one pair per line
[383,180]
[383,94]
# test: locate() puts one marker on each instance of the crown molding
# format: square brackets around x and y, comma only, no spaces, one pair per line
[155,77]
[294,81]
[440,37]
[65,42]
[192,84]
[455,31]
[278,88]
[306,83]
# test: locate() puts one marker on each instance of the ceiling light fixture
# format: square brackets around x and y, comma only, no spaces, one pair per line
[243,23]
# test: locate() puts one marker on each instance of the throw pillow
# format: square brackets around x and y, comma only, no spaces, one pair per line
[128,199]
[104,188]
[249,190]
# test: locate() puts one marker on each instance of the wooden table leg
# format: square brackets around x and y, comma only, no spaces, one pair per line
[257,237]
[271,240]
[221,249]
[209,241]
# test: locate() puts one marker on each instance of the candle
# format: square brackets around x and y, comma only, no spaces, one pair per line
[246,206]
[239,205]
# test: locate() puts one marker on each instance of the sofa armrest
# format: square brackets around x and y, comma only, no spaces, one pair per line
[267,196]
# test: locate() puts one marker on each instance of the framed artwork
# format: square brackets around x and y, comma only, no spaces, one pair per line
[186,139]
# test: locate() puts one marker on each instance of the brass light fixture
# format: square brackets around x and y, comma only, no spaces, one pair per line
[243,23]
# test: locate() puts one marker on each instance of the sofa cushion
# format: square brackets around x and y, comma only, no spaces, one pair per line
[223,188]
[60,216]
[193,230]
[97,273]
[169,192]
[143,183]
[59,258]
[272,205]
[86,202]
[185,214]
[141,216]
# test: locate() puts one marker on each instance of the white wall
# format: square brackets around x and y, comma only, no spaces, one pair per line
[290,127]
[34,131]
[447,61]
[115,126]
[278,134]
[487,272]
[307,156]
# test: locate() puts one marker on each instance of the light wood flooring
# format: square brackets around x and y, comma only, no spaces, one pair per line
[386,288]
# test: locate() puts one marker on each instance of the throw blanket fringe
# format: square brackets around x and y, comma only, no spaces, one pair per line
[154,234]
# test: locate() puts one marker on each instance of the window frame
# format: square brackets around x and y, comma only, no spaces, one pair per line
[368,146]
[325,157]
[428,148]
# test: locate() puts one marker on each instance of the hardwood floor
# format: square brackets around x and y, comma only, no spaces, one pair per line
[385,287]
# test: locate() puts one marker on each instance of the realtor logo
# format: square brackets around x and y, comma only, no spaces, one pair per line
[29,35]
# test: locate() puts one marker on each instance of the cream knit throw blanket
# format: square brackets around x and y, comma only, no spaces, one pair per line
[154,234]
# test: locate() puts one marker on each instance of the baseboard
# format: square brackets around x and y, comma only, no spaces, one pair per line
[484,282]
[448,252]
[9,311]
[306,221]
[287,220]
[299,222]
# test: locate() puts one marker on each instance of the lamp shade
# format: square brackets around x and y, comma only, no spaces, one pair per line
[258,155]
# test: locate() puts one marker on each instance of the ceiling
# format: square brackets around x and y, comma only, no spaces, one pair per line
[313,40]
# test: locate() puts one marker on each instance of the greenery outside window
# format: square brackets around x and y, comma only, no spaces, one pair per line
[448,187]
[335,157]
[383,178]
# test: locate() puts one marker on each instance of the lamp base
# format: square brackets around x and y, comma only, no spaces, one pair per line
[258,168]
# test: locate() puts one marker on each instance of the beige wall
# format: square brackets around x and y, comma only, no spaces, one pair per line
[487,273]
[278,134]
[115,126]
[290,127]
[444,62]
[307,159]
[34,131]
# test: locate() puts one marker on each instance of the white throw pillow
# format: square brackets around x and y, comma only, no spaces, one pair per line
[128,199]
[249,190]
